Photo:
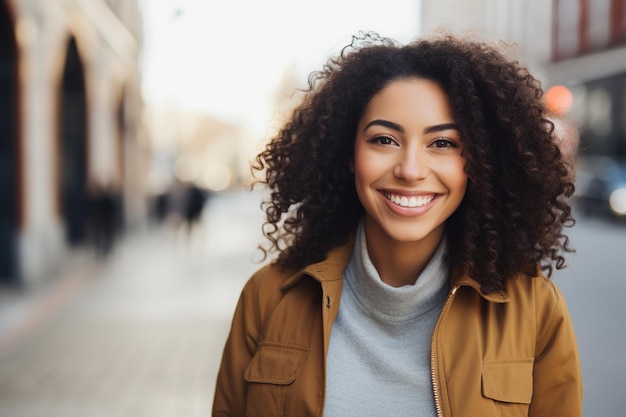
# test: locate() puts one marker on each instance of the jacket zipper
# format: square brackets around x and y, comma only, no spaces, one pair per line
[432,353]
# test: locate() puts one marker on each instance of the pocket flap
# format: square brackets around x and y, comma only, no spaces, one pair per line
[275,364]
[508,380]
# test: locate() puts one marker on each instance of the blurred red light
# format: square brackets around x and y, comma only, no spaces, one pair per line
[559,100]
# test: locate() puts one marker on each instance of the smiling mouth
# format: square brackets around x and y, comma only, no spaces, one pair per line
[409,201]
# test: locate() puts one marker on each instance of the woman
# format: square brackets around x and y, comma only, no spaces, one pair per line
[417,194]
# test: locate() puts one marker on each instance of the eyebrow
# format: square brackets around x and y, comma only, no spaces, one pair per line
[441,127]
[384,123]
[399,128]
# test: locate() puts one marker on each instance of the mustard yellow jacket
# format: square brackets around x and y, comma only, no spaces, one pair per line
[508,354]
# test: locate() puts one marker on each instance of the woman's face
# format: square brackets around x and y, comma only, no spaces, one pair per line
[408,168]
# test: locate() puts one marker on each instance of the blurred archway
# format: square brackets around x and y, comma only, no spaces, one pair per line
[9,161]
[73,147]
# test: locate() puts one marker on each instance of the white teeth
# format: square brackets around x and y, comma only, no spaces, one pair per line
[413,201]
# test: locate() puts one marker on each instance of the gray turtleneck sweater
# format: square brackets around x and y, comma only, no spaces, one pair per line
[379,353]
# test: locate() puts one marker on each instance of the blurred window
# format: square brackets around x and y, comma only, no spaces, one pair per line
[618,21]
[599,24]
[600,112]
[567,15]
[583,26]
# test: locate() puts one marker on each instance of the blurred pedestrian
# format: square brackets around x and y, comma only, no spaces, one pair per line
[160,207]
[194,204]
[103,217]
[418,199]
[175,203]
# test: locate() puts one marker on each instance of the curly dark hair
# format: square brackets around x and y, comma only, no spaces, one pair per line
[516,204]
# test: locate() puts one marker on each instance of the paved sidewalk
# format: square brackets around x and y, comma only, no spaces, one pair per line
[140,334]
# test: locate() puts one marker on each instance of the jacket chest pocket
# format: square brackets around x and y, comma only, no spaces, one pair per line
[509,383]
[269,375]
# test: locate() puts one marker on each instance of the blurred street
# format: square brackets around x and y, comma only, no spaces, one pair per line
[141,334]
[594,285]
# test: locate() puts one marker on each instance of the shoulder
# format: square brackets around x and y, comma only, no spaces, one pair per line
[266,281]
[539,288]
[264,288]
[543,296]
[523,294]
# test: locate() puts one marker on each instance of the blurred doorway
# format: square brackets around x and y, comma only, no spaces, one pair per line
[9,164]
[73,147]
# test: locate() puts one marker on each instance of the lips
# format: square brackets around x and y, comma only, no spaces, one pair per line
[409,200]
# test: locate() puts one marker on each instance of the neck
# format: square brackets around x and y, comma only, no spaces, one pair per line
[400,263]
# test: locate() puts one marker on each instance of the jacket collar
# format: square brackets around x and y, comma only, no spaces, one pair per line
[332,268]
[459,278]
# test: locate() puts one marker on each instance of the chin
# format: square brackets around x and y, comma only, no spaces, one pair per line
[406,235]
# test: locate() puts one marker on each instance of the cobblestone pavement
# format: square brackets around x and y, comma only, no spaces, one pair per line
[139,334]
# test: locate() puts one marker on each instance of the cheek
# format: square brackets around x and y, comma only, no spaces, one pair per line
[358,164]
[364,175]
[460,178]
[366,169]
[360,176]
[453,174]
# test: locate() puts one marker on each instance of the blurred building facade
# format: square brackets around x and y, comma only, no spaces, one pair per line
[580,44]
[71,106]
[193,147]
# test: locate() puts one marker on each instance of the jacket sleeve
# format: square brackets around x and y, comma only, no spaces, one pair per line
[557,379]
[230,391]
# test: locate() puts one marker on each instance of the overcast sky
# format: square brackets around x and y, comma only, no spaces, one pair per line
[228,57]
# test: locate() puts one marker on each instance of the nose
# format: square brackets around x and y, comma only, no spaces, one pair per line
[412,165]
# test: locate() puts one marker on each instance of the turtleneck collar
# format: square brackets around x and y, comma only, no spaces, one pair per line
[390,303]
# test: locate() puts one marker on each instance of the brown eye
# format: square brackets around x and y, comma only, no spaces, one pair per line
[383,140]
[444,143]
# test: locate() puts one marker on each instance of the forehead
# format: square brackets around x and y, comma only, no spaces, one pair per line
[409,99]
